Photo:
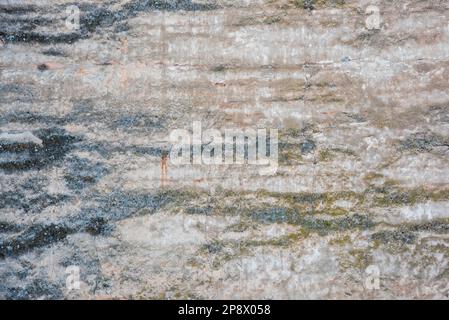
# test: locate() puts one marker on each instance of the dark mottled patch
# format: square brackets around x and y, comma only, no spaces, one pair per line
[37,204]
[42,235]
[219,68]
[94,220]
[199,210]
[424,142]
[81,173]
[134,121]
[386,196]
[394,236]
[136,6]
[356,117]
[119,205]
[24,156]
[271,215]
[322,226]
[93,18]
[17,9]
[38,289]
[213,247]
[24,36]
[440,113]
[437,226]
[309,4]
[307,146]
[86,113]
[34,236]
[54,53]
[13,199]
[18,200]
[100,17]
[15,93]
[107,150]
[32,118]
[97,226]
[6,227]
[122,27]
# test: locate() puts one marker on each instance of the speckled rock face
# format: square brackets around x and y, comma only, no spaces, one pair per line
[354,205]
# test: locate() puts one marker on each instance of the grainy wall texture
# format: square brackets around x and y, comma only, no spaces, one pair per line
[91,205]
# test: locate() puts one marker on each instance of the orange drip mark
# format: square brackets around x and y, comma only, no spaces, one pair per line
[164,169]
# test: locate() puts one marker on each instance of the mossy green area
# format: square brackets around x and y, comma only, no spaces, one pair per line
[330,154]
[289,154]
[390,195]
[262,202]
[325,155]
[219,252]
[294,143]
[272,19]
[219,68]
[319,213]
[407,233]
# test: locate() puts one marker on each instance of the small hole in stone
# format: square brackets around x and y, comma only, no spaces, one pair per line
[42,67]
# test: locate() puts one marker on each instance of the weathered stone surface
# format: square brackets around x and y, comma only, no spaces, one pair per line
[361,106]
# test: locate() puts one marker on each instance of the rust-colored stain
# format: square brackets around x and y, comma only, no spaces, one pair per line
[164,168]
[81,71]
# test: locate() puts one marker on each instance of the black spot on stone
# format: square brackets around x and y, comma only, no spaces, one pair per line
[42,67]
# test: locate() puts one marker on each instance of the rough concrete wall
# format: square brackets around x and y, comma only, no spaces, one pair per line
[357,208]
